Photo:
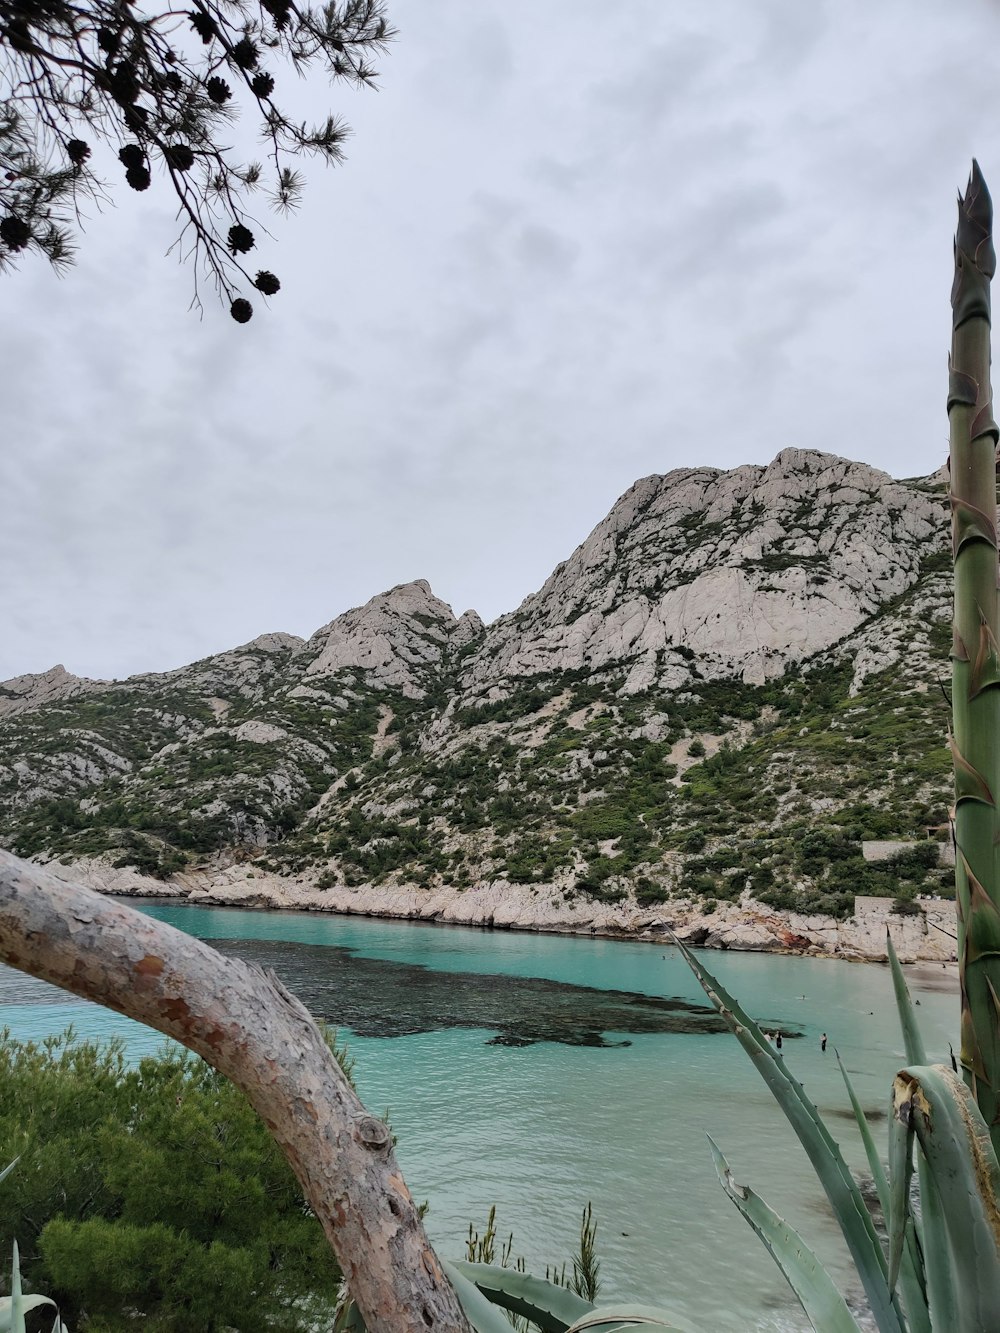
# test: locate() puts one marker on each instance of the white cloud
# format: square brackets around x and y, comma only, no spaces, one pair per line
[565,251]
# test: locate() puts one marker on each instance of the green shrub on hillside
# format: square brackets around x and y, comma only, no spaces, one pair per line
[152,1195]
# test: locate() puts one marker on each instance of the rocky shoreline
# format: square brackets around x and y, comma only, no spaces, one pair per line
[926,936]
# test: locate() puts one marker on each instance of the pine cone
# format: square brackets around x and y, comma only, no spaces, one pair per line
[77,152]
[262,85]
[218,90]
[136,118]
[124,83]
[245,53]
[179,156]
[241,239]
[203,25]
[14,233]
[138,178]
[267,283]
[131,156]
[241,310]
[107,40]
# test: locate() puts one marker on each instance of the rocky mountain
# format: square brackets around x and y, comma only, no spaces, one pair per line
[731,684]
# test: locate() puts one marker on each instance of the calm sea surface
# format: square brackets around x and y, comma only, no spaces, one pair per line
[539,1072]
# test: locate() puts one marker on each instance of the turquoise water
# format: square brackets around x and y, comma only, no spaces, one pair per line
[541,1128]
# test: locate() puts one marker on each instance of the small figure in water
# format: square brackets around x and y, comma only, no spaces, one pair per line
[777,1041]
[770,1038]
[822,1042]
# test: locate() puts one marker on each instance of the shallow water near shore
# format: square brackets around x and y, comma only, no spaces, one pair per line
[538,1072]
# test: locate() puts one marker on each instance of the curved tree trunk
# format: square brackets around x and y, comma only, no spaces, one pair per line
[243,1021]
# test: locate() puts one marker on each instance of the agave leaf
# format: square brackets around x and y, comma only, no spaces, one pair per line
[900,1176]
[913,1042]
[16,1298]
[942,1298]
[480,1312]
[611,1318]
[871,1152]
[911,1276]
[955,1142]
[27,1303]
[840,1187]
[348,1318]
[551,1307]
[941,1295]
[812,1284]
[8,1169]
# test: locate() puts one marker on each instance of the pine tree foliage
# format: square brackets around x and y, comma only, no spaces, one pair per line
[164,87]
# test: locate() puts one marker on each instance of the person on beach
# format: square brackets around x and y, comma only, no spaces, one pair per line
[777,1041]
[822,1042]
[770,1038]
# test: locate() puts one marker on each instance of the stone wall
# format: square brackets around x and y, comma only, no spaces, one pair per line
[885,851]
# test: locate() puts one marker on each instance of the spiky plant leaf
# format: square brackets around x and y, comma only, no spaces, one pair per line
[14,1307]
[933,1103]
[348,1318]
[912,1281]
[812,1284]
[939,1278]
[480,1312]
[871,1152]
[612,1318]
[27,1304]
[551,1307]
[838,1183]
[16,1298]
[913,1042]
[900,1178]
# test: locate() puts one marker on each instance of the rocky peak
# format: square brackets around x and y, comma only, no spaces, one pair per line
[749,570]
[273,643]
[468,627]
[23,693]
[395,638]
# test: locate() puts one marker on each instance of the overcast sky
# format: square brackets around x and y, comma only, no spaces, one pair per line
[574,243]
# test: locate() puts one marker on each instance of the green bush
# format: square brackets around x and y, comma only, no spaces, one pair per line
[648,892]
[152,1194]
[903,905]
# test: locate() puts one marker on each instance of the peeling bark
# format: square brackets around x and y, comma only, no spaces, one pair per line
[242,1020]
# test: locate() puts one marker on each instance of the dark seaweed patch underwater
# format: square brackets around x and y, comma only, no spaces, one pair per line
[380,998]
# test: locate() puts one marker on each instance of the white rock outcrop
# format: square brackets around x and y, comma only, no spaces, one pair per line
[23,693]
[750,570]
[394,638]
[746,926]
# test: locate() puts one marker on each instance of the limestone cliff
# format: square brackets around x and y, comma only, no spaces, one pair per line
[726,688]
[750,570]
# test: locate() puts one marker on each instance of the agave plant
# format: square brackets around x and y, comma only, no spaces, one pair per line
[942,1270]
[14,1307]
